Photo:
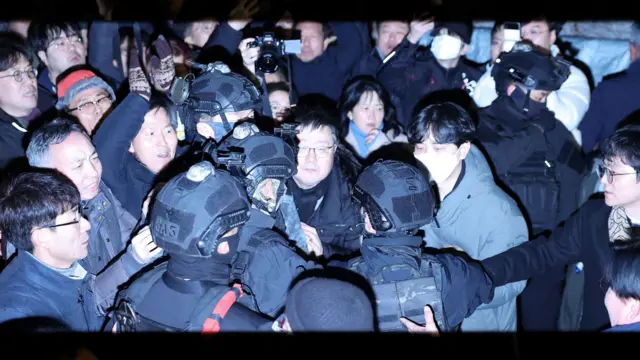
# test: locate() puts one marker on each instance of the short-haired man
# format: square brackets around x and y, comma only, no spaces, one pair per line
[475,215]
[46,278]
[59,46]
[587,234]
[65,146]
[18,98]
[321,189]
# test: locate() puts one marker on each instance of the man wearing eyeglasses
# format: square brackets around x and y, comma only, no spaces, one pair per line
[587,234]
[86,96]
[321,189]
[45,278]
[63,145]
[18,98]
[59,46]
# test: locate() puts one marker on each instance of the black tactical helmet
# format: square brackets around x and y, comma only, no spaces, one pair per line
[194,209]
[395,195]
[266,156]
[529,67]
[215,91]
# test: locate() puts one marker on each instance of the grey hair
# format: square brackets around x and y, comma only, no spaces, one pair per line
[49,134]
[635,33]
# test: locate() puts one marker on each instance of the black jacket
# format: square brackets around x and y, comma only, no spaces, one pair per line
[336,217]
[327,74]
[583,237]
[12,142]
[128,179]
[413,73]
[272,267]
[510,139]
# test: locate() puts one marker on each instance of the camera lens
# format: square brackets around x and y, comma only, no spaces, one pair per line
[267,63]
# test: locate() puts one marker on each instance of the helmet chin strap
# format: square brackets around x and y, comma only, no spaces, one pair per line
[227,126]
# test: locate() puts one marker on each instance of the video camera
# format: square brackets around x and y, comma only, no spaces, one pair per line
[288,132]
[272,49]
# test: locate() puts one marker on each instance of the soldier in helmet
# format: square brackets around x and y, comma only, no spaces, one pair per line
[196,218]
[396,201]
[524,140]
[536,157]
[265,263]
[214,101]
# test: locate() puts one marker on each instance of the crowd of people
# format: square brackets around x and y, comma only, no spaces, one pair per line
[235,175]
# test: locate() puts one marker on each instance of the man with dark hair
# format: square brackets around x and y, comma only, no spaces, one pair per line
[475,215]
[59,46]
[138,139]
[18,98]
[65,146]
[45,278]
[321,187]
[622,277]
[586,235]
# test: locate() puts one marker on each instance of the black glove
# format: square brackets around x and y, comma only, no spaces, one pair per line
[465,286]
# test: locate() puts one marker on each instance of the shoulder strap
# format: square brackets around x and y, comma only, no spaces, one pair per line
[244,257]
[213,315]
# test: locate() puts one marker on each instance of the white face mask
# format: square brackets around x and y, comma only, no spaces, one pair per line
[446,47]
[441,166]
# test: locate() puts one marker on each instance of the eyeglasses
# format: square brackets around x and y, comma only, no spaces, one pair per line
[321,152]
[91,106]
[19,75]
[601,170]
[77,220]
[62,42]
[64,224]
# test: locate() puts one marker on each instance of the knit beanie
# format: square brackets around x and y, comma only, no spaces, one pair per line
[323,304]
[75,83]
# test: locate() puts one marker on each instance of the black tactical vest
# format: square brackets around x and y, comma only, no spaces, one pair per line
[405,298]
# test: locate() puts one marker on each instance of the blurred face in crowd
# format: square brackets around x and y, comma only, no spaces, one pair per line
[63,52]
[316,150]
[497,42]
[539,34]
[212,127]
[368,113]
[77,159]
[280,104]
[65,242]
[621,311]
[19,95]
[312,38]
[21,27]
[200,33]
[156,142]
[621,187]
[90,106]
[390,35]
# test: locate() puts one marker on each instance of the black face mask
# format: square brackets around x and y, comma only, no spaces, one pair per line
[233,242]
[525,104]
